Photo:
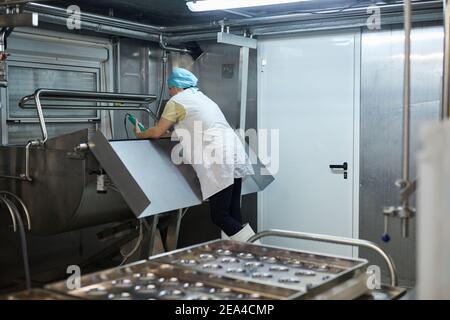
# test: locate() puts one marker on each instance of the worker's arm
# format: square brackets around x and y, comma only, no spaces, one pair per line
[154,132]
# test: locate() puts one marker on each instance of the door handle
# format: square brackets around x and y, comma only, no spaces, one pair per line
[343,166]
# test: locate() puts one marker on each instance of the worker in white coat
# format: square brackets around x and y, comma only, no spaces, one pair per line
[211,146]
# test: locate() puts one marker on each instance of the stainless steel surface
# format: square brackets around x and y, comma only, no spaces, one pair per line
[138,71]
[445,111]
[192,273]
[333,239]
[220,64]
[381,123]
[122,173]
[65,176]
[149,187]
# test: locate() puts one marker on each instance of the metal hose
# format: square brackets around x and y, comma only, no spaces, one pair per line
[23,241]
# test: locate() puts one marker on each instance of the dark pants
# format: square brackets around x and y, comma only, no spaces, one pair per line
[226,208]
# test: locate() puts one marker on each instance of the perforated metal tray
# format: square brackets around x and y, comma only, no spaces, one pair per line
[224,269]
[146,280]
[306,272]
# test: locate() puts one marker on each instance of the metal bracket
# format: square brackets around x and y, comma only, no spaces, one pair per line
[235,40]
[408,190]
[405,212]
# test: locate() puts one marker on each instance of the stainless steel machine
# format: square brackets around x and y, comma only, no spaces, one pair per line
[82,179]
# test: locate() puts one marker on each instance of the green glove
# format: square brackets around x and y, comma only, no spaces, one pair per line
[132,119]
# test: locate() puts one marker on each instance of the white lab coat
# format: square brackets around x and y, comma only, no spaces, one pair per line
[209,144]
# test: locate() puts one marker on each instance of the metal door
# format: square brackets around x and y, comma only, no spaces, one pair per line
[308,89]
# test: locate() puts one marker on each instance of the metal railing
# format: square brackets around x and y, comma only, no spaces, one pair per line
[333,239]
[135,102]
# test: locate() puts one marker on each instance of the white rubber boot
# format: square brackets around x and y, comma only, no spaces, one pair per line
[245,234]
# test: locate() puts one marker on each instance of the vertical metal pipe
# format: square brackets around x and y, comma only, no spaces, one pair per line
[406,113]
[407,91]
[445,111]
[27,161]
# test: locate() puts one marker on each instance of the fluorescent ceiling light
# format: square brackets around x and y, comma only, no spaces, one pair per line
[209,5]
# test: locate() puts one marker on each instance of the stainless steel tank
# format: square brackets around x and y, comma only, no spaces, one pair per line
[63,194]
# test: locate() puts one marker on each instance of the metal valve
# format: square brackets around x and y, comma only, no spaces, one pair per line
[403,212]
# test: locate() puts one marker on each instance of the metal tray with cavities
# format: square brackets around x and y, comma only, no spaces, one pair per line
[304,272]
[147,280]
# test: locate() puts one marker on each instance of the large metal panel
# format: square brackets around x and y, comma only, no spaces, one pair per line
[149,181]
[381,130]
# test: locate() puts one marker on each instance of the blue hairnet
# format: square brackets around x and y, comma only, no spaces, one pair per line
[182,78]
